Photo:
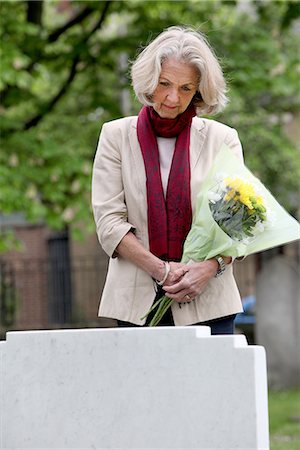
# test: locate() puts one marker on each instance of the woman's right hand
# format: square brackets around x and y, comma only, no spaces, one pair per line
[177,271]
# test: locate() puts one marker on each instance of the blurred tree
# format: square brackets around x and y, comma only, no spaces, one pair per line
[63,74]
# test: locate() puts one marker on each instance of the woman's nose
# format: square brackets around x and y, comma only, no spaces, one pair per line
[173,95]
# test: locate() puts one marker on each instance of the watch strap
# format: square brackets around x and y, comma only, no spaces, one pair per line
[222,266]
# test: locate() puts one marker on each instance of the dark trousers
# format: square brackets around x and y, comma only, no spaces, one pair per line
[222,325]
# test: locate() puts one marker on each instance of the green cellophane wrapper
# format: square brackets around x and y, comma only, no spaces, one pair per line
[206,239]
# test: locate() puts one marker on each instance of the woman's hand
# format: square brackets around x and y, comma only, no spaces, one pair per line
[177,271]
[187,281]
[184,281]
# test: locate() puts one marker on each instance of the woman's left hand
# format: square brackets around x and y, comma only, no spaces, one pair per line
[193,282]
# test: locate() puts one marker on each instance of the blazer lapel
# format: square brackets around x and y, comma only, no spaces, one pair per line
[198,136]
[137,156]
[196,141]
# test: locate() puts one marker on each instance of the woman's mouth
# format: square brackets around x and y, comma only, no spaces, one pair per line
[170,107]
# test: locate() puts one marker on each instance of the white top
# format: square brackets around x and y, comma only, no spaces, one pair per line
[166,147]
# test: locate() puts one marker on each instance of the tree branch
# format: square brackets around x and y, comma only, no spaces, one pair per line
[77,19]
[49,106]
[73,71]
[101,20]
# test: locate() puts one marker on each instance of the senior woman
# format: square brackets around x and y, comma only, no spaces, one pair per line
[147,172]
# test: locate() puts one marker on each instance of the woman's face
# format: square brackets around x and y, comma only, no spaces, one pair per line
[177,85]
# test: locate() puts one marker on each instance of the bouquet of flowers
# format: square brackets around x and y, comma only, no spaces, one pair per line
[235,216]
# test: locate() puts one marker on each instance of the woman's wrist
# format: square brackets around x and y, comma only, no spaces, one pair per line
[158,270]
[162,280]
[227,259]
[213,266]
[222,262]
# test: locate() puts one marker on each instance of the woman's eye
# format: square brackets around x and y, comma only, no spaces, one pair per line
[164,83]
[186,89]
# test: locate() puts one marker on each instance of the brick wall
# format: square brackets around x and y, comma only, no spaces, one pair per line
[30,284]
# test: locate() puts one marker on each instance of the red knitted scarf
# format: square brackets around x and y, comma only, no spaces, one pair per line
[169,220]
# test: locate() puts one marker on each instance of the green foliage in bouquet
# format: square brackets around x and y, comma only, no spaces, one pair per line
[238,209]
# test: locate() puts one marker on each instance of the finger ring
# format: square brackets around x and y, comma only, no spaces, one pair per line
[188,297]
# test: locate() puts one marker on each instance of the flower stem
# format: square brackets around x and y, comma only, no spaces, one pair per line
[165,303]
[152,308]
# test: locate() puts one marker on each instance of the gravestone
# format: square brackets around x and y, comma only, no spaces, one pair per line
[278,320]
[126,388]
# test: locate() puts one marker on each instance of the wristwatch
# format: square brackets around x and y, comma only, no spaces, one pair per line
[222,266]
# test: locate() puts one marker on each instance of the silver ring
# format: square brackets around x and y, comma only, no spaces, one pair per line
[188,297]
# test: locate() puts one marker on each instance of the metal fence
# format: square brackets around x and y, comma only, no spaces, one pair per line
[60,292]
[50,293]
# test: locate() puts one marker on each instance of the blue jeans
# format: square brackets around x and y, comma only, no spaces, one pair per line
[222,325]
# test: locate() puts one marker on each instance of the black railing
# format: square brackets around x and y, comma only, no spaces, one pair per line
[8,295]
[44,293]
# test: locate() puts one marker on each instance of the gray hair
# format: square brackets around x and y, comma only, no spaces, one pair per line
[190,46]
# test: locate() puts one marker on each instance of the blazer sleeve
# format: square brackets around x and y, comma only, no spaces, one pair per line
[234,143]
[108,197]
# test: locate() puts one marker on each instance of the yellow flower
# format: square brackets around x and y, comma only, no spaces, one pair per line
[242,191]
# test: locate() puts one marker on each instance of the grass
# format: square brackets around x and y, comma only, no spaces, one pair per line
[284,418]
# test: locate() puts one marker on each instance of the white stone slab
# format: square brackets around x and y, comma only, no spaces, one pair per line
[2,347]
[150,388]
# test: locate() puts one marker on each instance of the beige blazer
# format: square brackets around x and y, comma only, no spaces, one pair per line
[119,202]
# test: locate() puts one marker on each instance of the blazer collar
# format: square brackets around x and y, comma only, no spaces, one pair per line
[196,141]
